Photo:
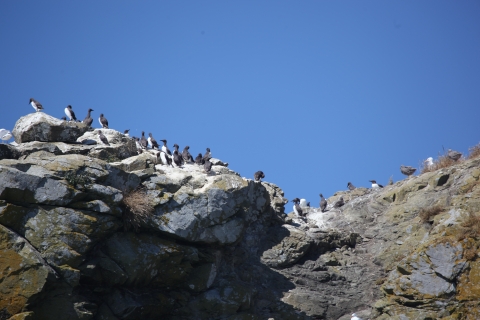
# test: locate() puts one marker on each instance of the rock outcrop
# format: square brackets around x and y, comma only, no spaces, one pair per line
[89,231]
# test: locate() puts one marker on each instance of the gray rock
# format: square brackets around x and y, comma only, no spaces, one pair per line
[39,126]
[8,151]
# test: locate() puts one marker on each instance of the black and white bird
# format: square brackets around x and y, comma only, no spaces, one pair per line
[199,159]
[180,158]
[88,119]
[165,148]
[125,133]
[36,105]
[70,114]
[143,141]
[259,175]
[296,207]
[187,157]
[207,154]
[454,155]
[103,121]
[407,170]
[177,159]
[166,160]
[308,204]
[103,138]
[323,203]
[64,118]
[375,185]
[350,186]
[207,166]
[151,140]
[137,144]
[339,203]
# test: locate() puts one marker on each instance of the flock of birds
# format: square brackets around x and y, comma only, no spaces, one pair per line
[163,153]
[298,204]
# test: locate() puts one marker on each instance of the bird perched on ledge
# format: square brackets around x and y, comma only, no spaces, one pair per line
[350,186]
[454,155]
[407,170]
[69,112]
[103,121]
[88,119]
[323,203]
[375,185]
[36,105]
[259,175]
[339,203]
[103,138]
[296,207]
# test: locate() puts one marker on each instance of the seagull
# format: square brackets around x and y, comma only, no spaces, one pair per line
[407,170]
[375,185]
[126,133]
[103,138]
[69,112]
[454,155]
[339,203]
[323,203]
[428,163]
[187,157]
[296,207]
[36,105]
[5,135]
[259,175]
[103,121]
[350,186]
[152,141]
[199,159]
[88,119]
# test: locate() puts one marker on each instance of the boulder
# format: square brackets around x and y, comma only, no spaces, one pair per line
[39,126]
[8,151]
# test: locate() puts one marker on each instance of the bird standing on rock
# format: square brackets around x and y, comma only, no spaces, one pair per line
[296,207]
[69,112]
[339,203]
[103,138]
[323,203]
[126,133]
[207,154]
[207,166]
[143,141]
[199,159]
[152,141]
[259,175]
[187,157]
[36,105]
[350,186]
[375,185]
[177,159]
[103,121]
[454,155]
[428,163]
[88,119]
[407,170]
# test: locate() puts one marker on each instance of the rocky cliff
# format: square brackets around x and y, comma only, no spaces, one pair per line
[89,231]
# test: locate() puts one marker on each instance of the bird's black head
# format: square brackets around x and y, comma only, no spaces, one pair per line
[199,155]
[176,145]
[208,149]
[372,181]
[90,110]
[126,131]
[69,107]
[101,114]
[164,141]
[150,134]
[31,99]
[321,195]
[187,147]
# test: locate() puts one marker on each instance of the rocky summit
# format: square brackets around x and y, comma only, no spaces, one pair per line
[95,231]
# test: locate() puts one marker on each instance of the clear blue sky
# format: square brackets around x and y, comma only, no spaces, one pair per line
[314,93]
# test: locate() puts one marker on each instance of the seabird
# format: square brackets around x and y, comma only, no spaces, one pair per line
[407,170]
[429,163]
[259,175]
[103,121]
[308,204]
[199,159]
[296,207]
[323,203]
[454,155]
[187,157]
[88,119]
[137,144]
[350,186]
[69,112]
[207,155]
[64,118]
[165,148]
[207,166]
[339,203]
[126,133]
[103,138]
[143,141]
[375,185]
[5,135]
[303,203]
[180,158]
[36,105]
[177,159]
[166,160]
[151,140]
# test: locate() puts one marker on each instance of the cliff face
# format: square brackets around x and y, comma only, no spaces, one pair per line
[220,246]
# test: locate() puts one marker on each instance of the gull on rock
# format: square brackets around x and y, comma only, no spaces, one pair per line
[428,163]
[407,170]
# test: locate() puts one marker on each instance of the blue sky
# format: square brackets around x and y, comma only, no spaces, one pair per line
[314,93]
